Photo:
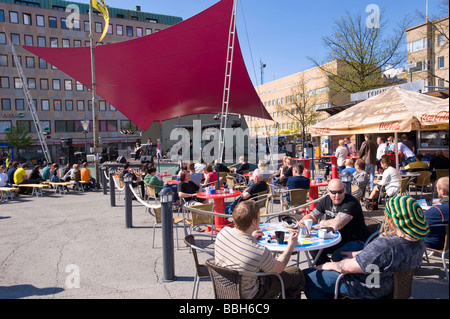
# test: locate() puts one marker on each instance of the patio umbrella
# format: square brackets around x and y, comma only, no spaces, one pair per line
[393,111]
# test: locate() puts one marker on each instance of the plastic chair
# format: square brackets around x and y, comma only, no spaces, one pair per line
[227,281]
[402,286]
[442,251]
[201,270]
[404,187]
[157,213]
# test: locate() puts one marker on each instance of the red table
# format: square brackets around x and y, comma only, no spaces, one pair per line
[307,165]
[334,166]
[219,206]
[314,192]
[172,182]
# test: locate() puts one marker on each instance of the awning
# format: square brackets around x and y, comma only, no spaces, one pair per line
[175,72]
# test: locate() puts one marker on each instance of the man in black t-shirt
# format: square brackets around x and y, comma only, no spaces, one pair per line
[344,213]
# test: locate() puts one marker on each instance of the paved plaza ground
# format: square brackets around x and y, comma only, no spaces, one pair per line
[47,241]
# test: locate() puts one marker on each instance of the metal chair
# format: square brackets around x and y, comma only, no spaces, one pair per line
[297,197]
[201,270]
[402,286]
[423,180]
[263,201]
[374,227]
[227,281]
[404,187]
[444,249]
[198,219]
[157,213]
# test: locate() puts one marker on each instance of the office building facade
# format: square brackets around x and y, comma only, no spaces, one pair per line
[61,102]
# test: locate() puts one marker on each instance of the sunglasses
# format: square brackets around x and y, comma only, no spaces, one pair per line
[341,191]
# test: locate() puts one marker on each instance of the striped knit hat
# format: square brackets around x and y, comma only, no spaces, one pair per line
[408,216]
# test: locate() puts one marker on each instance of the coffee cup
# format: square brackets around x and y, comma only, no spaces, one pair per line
[279,235]
[308,223]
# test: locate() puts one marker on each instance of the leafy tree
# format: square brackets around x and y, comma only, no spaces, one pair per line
[19,138]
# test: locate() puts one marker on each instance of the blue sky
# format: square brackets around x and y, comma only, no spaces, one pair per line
[283,33]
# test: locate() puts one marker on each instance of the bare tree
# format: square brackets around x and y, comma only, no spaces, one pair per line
[362,52]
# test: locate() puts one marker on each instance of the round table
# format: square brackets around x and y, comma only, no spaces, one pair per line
[173,182]
[219,205]
[304,244]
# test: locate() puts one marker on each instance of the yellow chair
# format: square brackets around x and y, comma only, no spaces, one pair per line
[422,181]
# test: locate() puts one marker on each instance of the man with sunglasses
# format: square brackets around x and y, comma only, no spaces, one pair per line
[343,213]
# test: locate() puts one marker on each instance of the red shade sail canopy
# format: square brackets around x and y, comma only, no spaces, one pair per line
[175,72]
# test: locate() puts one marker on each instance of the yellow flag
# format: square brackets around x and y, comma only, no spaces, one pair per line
[101,7]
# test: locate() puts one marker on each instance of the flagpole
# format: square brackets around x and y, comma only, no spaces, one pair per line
[94,92]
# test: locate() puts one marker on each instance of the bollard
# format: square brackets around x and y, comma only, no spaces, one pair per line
[128,201]
[104,182]
[166,198]
[112,188]
[347,178]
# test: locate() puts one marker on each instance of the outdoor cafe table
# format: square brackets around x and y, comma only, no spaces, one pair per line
[314,192]
[219,205]
[334,166]
[173,182]
[304,244]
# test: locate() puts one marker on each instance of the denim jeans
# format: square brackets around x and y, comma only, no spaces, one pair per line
[319,284]
[370,169]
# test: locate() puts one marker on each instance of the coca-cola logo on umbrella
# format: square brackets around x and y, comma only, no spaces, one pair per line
[438,117]
[392,126]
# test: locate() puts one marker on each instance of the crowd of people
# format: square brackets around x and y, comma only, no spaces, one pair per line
[15,174]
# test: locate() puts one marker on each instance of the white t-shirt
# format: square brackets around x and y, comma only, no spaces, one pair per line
[391,181]
[3,179]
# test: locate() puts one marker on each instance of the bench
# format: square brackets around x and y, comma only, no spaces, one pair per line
[5,191]
[37,188]
[61,186]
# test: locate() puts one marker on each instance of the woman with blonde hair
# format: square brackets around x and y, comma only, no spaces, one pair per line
[341,154]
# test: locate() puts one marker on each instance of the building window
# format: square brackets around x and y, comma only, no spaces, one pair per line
[31,83]
[30,62]
[87,26]
[77,43]
[148,31]
[68,127]
[54,42]
[80,105]
[42,64]
[44,84]
[57,105]
[2,16]
[5,126]
[52,22]
[119,29]
[108,126]
[64,25]
[4,82]
[18,83]
[98,27]
[20,104]
[41,41]
[15,38]
[2,38]
[139,32]
[130,31]
[441,40]
[6,104]
[102,105]
[29,40]
[68,85]
[110,29]
[441,62]
[69,105]
[128,125]
[27,18]
[13,17]
[27,125]
[79,86]
[56,85]
[3,60]
[418,45]
[40,21]
[66,43]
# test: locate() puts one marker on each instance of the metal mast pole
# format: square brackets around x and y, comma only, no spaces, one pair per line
[227,84]
[94,92]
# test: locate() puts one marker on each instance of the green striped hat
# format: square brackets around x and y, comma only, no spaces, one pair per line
[408,216]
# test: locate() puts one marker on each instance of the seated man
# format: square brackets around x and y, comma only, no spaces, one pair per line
[154,179]
[21,178]
[256,186]
[344,213]
[360,178]
[418,165]
[244,166]
[286,172]
[295,182]
[237,248]
[438,214]
[86,176]
[401,249]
